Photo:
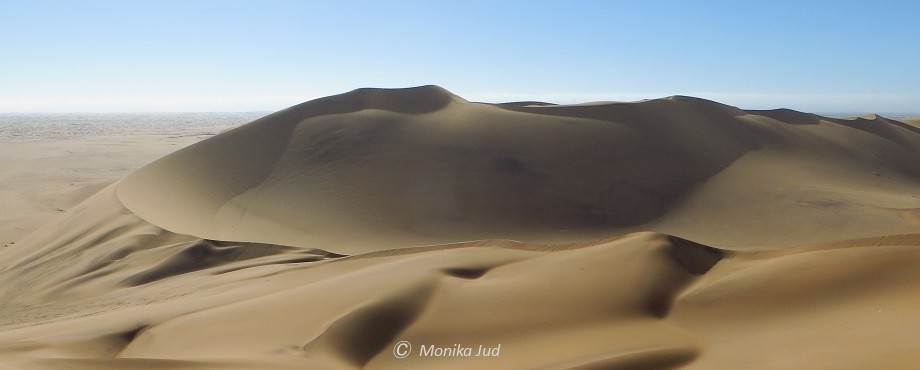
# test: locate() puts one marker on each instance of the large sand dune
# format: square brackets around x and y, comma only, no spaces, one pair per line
[375,169]
[674,232]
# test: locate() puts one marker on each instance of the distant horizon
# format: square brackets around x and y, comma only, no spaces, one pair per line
[511,98]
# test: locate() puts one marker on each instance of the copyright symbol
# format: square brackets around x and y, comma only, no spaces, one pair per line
[402,349]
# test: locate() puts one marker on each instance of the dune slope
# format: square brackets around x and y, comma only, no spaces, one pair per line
[668,233]
[641,300]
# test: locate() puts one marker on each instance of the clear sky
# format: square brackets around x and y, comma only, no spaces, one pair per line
[195,55]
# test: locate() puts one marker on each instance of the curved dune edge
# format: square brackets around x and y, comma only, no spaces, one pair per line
[385,168]
[637,300]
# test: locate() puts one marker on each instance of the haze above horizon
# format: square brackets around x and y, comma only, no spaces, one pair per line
[105,56]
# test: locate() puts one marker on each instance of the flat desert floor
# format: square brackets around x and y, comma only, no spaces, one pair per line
[412,229]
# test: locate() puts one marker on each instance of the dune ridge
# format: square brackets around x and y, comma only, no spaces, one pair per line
[675,232]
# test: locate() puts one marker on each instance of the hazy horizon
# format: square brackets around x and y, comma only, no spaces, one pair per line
[834,114]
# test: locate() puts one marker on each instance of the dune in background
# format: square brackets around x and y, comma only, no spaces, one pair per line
[675,232]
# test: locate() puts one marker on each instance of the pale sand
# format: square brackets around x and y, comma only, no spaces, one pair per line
[48,168]
[349,225]
[912,120]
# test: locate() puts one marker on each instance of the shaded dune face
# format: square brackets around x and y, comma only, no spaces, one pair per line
[422,166]
[429,295]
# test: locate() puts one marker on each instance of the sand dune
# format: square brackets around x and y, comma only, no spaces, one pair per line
[364,170]
[675,232]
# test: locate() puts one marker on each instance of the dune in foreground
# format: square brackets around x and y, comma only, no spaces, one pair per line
[675,232]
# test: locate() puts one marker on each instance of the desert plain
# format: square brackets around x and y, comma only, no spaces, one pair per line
[395,228]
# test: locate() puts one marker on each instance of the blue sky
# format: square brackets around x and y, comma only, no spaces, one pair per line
[820,56]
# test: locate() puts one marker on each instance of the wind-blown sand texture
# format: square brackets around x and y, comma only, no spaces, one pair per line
[675,232]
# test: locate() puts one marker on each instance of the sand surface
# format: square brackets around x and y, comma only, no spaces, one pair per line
[51,162]
[675,232]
